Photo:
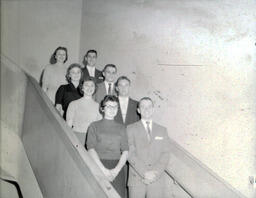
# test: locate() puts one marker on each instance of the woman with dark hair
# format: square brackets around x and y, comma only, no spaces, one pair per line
[54,74]
[83,111]
[108,145]
[69,92]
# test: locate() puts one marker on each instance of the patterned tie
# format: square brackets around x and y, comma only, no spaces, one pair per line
[148,130]
[109,89]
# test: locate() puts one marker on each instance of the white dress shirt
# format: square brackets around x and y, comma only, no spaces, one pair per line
[112,87]
[144,122]
[91,71]
[123,101]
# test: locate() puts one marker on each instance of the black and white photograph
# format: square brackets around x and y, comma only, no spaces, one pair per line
[128,99]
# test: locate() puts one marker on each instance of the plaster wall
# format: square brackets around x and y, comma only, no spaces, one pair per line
[32,30]
[196,59]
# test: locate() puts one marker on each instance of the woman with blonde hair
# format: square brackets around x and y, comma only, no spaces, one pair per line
[83,111]
[69,92]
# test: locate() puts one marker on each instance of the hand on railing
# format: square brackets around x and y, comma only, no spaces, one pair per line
[108,173]
[149,177]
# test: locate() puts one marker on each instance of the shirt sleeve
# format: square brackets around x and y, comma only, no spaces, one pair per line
[71,113]
[45,80]
[59,95]
[124,140]
[91,137]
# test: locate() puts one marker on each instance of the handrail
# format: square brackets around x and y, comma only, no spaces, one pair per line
[196,178]
[11,63]
[72,144]
[176,181]
[4,176]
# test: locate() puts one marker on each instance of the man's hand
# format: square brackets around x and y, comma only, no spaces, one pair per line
[114,172]
[149,177]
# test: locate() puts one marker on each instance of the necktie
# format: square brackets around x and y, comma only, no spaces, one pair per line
[109,89]
[148,130]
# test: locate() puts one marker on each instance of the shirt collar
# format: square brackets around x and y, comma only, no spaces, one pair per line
[106,83]
[90,68]
[145,124]
[123,99]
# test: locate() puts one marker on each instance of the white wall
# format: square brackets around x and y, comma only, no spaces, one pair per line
[32,30]
[196,59]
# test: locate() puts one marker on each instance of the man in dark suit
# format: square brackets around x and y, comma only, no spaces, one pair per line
[127,111]
[148,154]
[89,70]
[107,87]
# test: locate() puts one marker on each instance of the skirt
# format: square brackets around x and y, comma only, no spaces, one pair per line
[119,181]
[81,137]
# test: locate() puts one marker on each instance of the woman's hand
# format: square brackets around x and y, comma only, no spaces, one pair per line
[108,174]
[114,172]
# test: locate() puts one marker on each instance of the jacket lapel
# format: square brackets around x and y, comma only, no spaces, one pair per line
[143,134]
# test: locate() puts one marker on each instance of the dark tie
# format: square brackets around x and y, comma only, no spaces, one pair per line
[148,129]
[109,89]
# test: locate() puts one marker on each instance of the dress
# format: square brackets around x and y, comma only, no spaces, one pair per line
[109,139]
[81,113]
[53,78]
[66,94]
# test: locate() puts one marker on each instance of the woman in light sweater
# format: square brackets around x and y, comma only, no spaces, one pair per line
[83,111]
[54,73]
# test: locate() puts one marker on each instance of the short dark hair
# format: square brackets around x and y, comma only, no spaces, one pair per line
[80,87]
[109,65]
[71,67]
[107,98]
[53,59]
[89,51]
[145,98]
[122,78]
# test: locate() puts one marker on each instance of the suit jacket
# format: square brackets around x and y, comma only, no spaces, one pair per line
[145,155]
[101,92]
[98,77]
[131,114]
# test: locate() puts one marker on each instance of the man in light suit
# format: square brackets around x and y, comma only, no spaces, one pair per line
[107,87]
[89,70]
[148,154]
[127,111]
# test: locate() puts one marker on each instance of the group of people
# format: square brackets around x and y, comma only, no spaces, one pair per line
[112,126]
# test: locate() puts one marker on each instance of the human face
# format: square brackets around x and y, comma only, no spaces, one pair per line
[146,109]
[88,88]
[110,74]
[60,56]
[91,59]
[75,74]
[110,110]
[123,88]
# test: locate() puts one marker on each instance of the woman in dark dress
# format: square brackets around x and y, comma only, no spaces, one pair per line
[108,145]
[69,92]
